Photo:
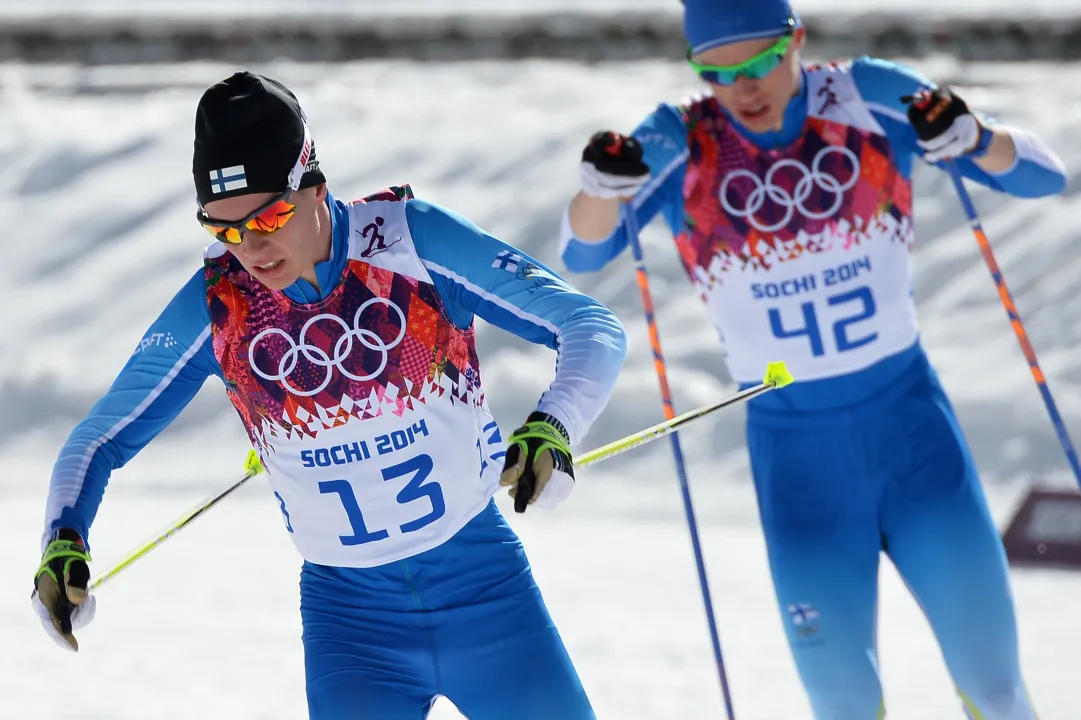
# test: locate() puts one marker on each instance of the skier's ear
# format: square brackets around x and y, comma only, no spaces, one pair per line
[798,37]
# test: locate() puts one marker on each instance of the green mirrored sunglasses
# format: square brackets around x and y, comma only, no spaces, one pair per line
[754,68]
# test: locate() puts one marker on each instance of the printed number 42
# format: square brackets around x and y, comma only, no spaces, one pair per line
[841,338]
[420,467]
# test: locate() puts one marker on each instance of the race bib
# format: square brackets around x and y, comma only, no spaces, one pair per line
[386,488]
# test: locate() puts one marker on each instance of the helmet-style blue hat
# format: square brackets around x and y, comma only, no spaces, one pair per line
[709,23]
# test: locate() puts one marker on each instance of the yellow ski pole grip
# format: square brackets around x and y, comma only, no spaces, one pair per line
[777,375]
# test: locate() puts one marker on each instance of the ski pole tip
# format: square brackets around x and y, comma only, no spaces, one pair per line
[777,375]
[253,465]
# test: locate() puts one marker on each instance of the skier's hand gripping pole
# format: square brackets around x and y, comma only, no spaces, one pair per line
[60,598]
[538,467]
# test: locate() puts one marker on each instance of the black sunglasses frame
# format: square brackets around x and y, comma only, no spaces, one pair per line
[241,225]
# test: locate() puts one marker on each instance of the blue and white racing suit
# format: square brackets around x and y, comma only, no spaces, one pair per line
[365,401]
[798,241]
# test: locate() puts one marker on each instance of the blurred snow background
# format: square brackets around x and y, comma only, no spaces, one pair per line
[96,194]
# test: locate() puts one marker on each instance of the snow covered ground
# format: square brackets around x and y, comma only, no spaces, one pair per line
[97,200]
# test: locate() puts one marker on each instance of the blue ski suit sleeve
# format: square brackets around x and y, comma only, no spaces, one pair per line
[160,378]
[478,275]
[1036,172]
[663,136]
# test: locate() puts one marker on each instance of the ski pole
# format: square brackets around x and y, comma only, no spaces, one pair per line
[777,376]
[252,467]
[630,222]
[1015,319]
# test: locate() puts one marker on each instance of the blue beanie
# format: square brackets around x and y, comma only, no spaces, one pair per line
[709,23]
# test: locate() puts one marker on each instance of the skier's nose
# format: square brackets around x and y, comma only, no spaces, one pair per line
[254,240]
[745,86]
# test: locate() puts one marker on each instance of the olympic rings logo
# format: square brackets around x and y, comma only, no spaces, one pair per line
[810,179]
[319,357]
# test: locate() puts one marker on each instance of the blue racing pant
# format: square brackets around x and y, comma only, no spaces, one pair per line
[892,474]
[464,620]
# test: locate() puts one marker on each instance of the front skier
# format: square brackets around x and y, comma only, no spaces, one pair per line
[344,335]
[788,189]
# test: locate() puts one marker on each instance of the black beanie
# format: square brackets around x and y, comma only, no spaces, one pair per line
[251,136]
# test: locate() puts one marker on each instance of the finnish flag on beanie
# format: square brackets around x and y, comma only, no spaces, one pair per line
[251,136]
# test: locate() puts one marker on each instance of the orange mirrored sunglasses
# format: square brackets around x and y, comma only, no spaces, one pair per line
[266,219]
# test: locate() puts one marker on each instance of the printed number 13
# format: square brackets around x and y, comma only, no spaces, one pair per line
[420,467]
[840,328]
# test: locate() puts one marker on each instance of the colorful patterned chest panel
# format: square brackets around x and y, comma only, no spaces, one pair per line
[367,407]
[800,253]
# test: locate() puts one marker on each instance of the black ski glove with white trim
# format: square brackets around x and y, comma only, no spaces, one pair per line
[612,166]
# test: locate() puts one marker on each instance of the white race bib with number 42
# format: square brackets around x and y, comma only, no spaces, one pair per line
[825,314]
